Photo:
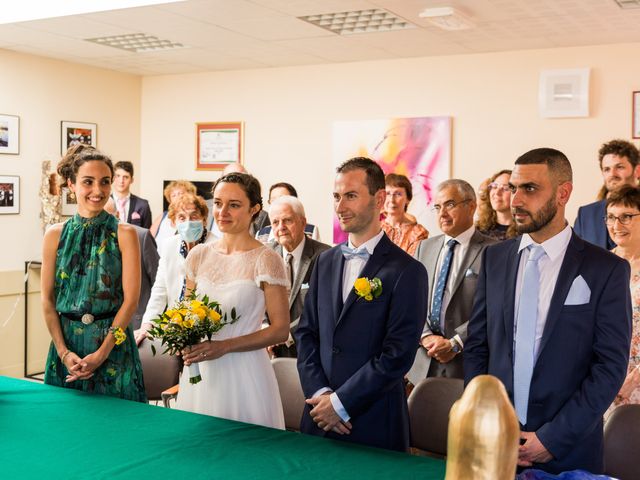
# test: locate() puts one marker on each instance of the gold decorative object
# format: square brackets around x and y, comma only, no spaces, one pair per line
[49,196]
[483,433]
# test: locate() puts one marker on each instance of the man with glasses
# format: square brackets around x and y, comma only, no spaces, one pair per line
[452,261]
[552,320]
[619,164]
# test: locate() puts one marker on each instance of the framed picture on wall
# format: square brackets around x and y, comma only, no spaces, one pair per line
[218,144]
[69,202]
[77,132]
[9,194]
[564,93]
[9,134]
[635,120]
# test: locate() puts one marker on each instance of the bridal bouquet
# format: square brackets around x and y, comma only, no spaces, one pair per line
[187,323]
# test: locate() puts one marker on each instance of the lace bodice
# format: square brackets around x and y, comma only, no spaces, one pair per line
[234,281]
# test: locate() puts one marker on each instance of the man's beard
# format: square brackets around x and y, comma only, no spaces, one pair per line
[540,219]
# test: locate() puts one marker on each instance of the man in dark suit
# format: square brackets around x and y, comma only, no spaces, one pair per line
[551,320]
[131,208]
[149,259]
[361,322]
[299,253]
[452,261]
[619,164]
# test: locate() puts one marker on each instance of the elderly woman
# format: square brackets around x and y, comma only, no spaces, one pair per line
[494,209]
[623,224]
[188,213]
[403,230]
[162,227]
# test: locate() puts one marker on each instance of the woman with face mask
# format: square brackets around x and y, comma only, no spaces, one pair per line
[188,213]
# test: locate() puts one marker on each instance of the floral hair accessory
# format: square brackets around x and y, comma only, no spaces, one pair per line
[118,334]
[368,289]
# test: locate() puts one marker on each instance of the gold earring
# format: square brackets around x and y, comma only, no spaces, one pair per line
[72,195]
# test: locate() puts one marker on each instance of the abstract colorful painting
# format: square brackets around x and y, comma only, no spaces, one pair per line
[419,148]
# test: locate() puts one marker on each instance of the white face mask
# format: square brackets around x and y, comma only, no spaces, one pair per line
[191,230]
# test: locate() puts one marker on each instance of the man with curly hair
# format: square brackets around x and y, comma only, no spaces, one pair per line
[619,166]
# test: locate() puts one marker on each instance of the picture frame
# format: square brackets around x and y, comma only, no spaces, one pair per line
[77,132]
[9,194]
[9,134]
[218,144]
[69,202]
[635,116]
[564,93]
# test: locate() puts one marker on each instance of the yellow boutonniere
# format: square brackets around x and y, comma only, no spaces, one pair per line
[118,334]
[368,289]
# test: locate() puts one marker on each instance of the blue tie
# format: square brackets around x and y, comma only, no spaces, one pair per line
[526,333]
[434,318]
[351,253]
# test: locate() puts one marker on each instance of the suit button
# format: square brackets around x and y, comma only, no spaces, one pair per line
[335,350]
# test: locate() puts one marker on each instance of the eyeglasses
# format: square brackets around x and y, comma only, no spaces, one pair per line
[502,186]
[624,219]
[450,205]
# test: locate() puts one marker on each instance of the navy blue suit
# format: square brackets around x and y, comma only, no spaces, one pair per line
[362,349]
[583,353]
[590,225]
[139,212]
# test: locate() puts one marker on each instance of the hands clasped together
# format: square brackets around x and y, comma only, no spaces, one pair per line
[324,415]
[438,347]
[81,368]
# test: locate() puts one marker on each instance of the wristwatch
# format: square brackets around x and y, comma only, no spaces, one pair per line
[455,346]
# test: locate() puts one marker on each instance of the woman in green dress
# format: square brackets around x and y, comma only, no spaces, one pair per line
[90,287]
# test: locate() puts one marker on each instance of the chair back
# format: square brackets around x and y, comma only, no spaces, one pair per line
[160,371]
[622,443]
[290,391]
[429,406]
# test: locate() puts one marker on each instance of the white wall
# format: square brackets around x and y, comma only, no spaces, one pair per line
[43,92]
[288,114]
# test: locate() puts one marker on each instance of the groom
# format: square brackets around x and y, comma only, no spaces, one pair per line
[353,351]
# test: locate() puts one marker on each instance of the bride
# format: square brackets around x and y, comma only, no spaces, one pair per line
[238,271]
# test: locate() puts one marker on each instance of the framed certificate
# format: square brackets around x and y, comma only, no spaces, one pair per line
[218,144]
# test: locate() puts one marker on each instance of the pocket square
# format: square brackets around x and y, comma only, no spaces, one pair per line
[579,293]
[304,286]
[470,273]
[135,216]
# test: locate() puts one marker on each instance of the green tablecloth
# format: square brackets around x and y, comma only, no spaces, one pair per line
[54,433]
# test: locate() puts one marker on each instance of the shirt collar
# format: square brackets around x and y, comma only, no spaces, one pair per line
[297,252]
[553,247]
[370,244]
[464,238]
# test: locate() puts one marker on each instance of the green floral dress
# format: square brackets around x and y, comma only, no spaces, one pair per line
[89,280]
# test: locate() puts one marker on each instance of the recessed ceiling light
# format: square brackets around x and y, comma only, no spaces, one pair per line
[359,21]
[27,10]
[136,42]
[446,18]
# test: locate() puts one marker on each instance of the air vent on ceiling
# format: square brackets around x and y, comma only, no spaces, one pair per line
[136,42]
[360,21]
[626,4]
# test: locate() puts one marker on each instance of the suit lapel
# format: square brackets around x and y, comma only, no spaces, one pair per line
[475,245]
[305,261]
[370,269]
[513,261]
[132,206]
[568,272]
[337,267]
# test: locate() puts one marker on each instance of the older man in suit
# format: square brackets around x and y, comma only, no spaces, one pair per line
[361,322]
[452,261]
[299,253]
[551,320]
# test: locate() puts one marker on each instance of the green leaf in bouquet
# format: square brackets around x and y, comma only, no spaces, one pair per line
[153,349]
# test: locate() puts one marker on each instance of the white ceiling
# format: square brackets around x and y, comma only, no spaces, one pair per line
[239,34]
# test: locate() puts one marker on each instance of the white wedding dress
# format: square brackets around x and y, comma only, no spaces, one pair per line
[240,385]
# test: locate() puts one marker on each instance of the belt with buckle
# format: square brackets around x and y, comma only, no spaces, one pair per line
[88,318]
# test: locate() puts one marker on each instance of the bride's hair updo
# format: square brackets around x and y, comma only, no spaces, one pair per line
[248,183]
[75,157]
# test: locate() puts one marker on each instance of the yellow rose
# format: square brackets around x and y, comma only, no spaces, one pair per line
[214,316]
[200,312]
[196,304]
[176,318]
[362,286]
[188,323]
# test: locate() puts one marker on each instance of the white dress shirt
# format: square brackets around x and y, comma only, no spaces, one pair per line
[549,268]
[459,252]
[352,269]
